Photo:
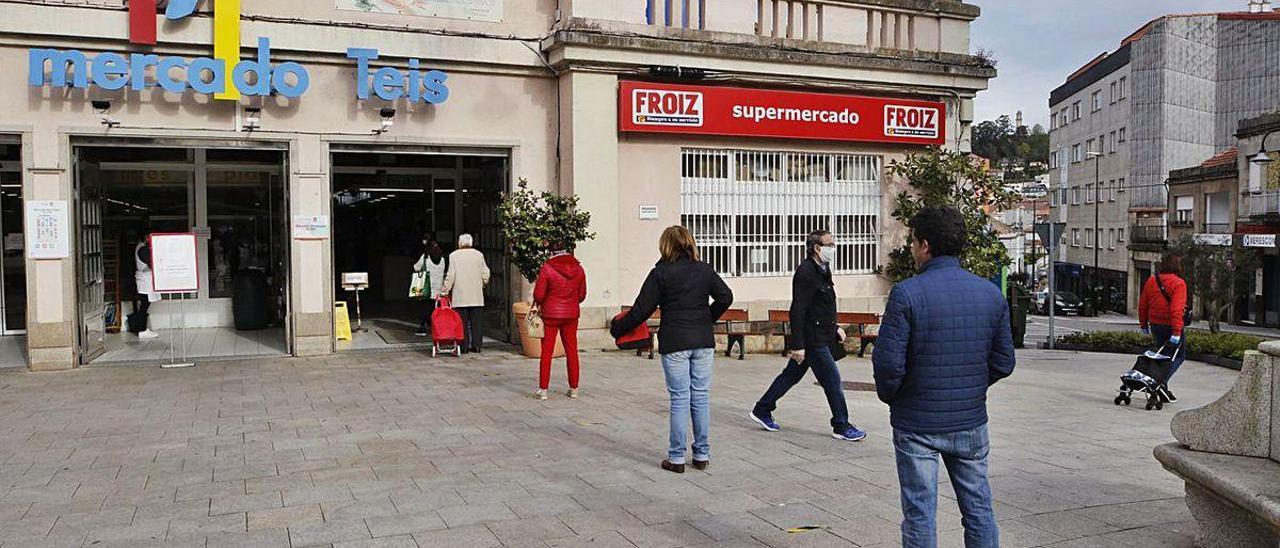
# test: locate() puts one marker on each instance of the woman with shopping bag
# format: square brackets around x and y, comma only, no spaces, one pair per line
[557,296]
[692,297]
[428,277]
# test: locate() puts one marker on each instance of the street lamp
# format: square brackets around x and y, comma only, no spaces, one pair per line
[1262,158]
[1097,237]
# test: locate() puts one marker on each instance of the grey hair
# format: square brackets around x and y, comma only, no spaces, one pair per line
[815,238]
[465,240]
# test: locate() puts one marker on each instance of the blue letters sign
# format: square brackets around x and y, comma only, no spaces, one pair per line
[205,75]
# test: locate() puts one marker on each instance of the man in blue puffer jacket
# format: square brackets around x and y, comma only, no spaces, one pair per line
[945,339]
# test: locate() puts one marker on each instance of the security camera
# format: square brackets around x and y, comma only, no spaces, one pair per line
[102,107]
[388,114]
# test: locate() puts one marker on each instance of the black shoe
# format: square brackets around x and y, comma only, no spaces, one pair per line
[1167,395]
[677,468]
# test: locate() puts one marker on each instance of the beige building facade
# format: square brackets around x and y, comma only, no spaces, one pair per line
[338,167]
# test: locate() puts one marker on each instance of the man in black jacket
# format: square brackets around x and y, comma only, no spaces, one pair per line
[813,331]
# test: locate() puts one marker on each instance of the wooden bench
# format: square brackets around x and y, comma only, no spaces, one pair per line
[855,322]
[736,325]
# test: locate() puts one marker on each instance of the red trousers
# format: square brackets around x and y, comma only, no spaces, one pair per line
[568,332]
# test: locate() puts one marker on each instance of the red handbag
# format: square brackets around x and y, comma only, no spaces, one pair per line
[637,339]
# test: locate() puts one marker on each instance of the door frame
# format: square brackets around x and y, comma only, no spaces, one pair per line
[508,153]
[197,206]
[11,167]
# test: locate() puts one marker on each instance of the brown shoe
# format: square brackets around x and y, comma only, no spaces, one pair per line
[677,468]
[701,464]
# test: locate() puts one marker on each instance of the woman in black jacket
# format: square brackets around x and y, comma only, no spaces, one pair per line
[683,286]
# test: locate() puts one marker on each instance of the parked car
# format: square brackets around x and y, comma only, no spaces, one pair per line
[1067,304]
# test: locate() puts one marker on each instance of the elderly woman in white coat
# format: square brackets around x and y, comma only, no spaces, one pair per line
[464,285]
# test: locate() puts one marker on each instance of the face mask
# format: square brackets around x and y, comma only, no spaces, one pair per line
[828,254]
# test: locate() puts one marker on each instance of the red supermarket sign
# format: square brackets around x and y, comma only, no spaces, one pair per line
[713,110]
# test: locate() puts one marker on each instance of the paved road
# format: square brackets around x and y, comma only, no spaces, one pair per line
[399,450]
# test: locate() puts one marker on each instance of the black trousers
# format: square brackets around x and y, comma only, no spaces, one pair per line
[473,326]
[824,367]
[428,306]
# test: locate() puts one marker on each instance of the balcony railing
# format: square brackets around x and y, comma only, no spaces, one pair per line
[1154,234]
[850,22]
[1264,203]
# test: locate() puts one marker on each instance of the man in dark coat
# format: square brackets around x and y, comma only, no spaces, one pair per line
[945,339]
[813,331]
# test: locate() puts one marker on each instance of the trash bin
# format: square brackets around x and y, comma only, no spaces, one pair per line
[250,300]
[1019,304]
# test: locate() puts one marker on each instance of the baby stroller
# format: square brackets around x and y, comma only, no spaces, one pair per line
[446,329]
[1149,375]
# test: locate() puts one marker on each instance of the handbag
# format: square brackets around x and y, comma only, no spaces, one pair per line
[533,323]
[1186,312]
[638,338]
[419,285]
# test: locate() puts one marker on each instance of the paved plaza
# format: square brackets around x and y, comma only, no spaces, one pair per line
[400,450]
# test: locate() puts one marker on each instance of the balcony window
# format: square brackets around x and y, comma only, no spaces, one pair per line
[1075,111]
[1097,100]
[1184,212]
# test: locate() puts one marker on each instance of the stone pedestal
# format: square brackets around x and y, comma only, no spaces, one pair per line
[1225,524]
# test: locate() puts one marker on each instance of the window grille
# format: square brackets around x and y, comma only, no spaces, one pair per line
[752,210]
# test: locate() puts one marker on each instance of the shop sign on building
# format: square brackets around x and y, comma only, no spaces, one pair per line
[48,231]
[1260,240]
[741,112]
[1222,240]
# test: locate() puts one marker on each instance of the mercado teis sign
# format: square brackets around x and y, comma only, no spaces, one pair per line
[742,112]
[226,75]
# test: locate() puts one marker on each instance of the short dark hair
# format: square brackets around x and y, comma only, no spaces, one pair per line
[815,238]
[1171,263]
[942,227]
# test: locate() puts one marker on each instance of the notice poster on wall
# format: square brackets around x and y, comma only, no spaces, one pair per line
[174,263]
[48,229]
[476,10]
[310,227]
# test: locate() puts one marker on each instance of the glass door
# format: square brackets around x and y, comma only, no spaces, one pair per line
[91,275]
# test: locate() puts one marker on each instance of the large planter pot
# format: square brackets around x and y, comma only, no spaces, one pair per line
[531,344]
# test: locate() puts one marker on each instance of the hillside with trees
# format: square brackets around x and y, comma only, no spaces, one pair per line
[1022,153]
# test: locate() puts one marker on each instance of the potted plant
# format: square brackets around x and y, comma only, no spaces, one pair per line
[529,221]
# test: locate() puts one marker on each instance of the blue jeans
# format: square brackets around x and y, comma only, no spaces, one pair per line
[824,367]
[965,454]
[689,382]
[1160,336]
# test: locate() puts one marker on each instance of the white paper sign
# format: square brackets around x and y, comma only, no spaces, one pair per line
[1260,240]
[48,232]
[648,213]
[174,263]
[355,278]
[310,227]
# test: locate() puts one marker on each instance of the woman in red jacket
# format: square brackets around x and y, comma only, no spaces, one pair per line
[1162,312]
[559,292]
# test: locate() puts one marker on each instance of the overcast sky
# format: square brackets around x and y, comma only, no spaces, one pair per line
[1038,43]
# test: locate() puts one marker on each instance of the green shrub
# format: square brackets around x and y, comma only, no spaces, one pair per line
[1223,345]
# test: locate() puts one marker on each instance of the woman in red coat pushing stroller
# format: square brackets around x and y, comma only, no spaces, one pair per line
[559,292]
[1163,312]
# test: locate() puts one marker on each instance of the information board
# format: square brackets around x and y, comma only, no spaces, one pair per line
[175,266]
[310,227]
[48,230]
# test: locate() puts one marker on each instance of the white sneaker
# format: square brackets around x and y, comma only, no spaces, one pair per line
[572,393]
[148,334]
[540,395]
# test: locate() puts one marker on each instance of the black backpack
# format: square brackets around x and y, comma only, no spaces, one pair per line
[1186,312]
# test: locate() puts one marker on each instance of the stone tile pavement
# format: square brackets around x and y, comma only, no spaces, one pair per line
[399,450]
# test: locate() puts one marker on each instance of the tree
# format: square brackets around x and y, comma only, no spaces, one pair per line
[941,178]
[530,220]
[1217,276]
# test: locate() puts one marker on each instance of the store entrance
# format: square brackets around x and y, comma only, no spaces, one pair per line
[13,271]
[233,200]
[384,205]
